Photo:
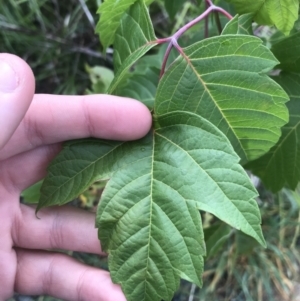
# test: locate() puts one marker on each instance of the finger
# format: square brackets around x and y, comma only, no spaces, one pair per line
[17,86]
[64,228]
[23,170]
[7,254]
[62,277]
[7,273]
[53,118]
[60,227]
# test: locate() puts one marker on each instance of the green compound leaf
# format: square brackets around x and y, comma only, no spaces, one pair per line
[287,51]
[281,13]
[281,165]
[111,13]
[239,25]
[222,79]
[161,193]
[129,47]
[148,215]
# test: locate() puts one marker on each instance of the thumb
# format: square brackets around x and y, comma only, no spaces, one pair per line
[17,87]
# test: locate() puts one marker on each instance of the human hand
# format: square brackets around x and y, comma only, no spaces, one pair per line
[32,127]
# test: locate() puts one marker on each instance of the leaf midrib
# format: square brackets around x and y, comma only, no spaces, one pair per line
[151,212]
[208,91]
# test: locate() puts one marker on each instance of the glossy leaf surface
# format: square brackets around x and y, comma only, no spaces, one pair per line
[281,165]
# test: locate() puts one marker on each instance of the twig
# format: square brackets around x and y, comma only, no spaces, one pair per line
[173,40]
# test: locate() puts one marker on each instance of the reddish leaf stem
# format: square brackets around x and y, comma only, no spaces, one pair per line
[223,12]
[173,40]
[165,60]
[187,26]
[179,49]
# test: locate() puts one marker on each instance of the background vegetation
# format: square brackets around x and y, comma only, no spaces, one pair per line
[57,39]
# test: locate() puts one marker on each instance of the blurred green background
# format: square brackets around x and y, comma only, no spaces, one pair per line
[57,40]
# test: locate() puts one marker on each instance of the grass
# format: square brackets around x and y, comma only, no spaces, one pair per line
[56,38]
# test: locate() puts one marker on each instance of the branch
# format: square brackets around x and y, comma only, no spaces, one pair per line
[173,40]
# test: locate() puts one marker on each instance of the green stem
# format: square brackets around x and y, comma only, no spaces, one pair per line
[218,22]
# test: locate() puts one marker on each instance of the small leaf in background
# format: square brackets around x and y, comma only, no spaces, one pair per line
[222,79]
[215,238]
[140,85]
[111,12]
[155,60]
[128,47]
[287,51]
[246,6]
[281,13]
[100,77]
[281,165]
[239,25]
[141,82]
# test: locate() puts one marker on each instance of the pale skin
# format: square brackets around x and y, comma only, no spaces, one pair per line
[32,128]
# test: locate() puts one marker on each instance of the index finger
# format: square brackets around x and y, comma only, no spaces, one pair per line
[53,118]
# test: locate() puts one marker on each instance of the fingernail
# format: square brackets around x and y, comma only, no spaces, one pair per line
[8,78]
